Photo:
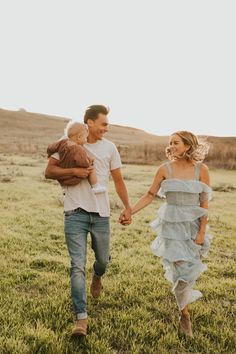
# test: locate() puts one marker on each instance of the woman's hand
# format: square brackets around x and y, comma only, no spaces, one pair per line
[199,240]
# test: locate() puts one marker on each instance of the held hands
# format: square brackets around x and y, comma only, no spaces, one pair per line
[125,218]
[199,240]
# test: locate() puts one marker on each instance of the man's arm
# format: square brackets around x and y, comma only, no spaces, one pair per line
[122,193]
[54,171]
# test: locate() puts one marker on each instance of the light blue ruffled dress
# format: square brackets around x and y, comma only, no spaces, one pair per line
[177,224]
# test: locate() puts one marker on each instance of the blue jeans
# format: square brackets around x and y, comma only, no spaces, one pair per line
[78,223]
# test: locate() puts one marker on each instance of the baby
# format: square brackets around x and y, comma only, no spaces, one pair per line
[73,154]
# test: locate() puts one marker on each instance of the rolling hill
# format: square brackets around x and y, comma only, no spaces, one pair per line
[22,131]
[25,132]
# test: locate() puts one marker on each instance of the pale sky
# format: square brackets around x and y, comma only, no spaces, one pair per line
[160,66]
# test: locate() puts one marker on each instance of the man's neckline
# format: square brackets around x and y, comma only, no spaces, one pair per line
[96,142]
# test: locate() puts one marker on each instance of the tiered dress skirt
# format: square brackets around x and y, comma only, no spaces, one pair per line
[177,224]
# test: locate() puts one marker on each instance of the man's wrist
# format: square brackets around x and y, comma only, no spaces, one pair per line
[127,206]
[74,171]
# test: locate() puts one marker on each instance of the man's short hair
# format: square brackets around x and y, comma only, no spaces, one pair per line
[93,111]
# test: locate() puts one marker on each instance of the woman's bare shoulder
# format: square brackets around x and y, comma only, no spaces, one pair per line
[162,170]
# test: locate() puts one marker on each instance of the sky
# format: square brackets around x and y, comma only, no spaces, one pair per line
[160,66]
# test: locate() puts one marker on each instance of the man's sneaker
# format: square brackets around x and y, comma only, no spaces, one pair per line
[80,328]
[96,286]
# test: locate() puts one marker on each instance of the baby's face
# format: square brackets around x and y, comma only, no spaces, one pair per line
[82,137]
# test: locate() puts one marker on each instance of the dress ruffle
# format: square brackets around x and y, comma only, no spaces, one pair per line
[179,213]
[188,186]
[175,250]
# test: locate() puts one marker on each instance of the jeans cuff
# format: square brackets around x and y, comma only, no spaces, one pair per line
[81,316]
[97,275]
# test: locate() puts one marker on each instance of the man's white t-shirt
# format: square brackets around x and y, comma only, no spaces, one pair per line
[106,158]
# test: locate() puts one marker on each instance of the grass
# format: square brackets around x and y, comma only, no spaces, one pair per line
[136,312]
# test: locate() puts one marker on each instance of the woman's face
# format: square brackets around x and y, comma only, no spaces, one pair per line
[177,146]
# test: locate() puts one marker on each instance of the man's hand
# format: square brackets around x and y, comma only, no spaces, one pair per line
[125,218]
[82,172]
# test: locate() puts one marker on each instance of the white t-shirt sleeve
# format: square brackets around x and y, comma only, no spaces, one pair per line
[115,159]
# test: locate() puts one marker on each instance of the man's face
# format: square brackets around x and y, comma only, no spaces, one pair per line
[98,127]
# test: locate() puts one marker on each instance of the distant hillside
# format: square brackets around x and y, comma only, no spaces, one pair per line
[29,133]
[21,128]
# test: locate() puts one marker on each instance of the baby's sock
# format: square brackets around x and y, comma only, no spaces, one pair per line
[98,188]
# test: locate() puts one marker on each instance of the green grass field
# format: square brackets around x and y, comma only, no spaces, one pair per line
[137,312]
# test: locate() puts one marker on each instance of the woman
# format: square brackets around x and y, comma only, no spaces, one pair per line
[181,222]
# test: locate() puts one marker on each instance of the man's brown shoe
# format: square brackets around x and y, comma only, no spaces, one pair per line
[80,328]
[96,286]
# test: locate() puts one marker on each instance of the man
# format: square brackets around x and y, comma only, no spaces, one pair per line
[86,212]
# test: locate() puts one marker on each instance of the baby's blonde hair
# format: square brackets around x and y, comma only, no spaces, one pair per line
[74,128]
[197,150]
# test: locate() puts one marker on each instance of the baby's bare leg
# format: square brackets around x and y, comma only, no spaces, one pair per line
[92,178]
[97,188]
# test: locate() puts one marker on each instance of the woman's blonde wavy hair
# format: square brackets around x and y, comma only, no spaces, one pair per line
[197,150]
